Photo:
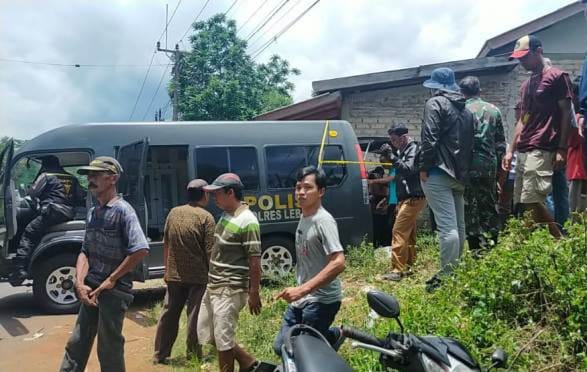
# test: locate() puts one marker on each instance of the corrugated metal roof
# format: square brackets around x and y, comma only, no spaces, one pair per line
[410,76]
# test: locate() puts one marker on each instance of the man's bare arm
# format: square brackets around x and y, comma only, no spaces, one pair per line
[126,266]
[335,265]
[254,284]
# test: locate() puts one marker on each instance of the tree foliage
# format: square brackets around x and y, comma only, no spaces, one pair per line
[218,80]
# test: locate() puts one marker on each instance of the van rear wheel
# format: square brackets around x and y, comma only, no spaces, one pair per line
[54,285]
[278,257]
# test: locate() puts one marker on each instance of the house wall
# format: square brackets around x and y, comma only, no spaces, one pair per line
[372,112]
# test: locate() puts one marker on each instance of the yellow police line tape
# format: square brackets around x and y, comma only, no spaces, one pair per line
[321,154]
[353,162]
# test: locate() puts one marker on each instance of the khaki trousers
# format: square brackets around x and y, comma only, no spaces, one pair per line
[403,245]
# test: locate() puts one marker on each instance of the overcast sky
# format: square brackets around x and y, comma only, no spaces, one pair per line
[335,38]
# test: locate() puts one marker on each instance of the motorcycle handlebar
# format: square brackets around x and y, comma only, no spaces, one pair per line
[363,337]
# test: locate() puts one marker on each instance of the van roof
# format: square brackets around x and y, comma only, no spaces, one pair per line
[98,135]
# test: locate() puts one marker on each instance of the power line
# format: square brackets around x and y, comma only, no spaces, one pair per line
[277,21]
[167,106]
[195,20]
[284,30]
[272,14]
[156,91]
[169,21]
[230,7]
[252,15]
[142,86]
[76,65]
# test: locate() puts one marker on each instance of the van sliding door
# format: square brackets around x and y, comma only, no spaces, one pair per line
[132,158]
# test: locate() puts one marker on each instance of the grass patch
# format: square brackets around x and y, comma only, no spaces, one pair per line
[528,296]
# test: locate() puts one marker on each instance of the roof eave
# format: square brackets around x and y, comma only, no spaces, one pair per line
[531,27]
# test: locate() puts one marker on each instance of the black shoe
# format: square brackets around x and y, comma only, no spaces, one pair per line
[433,284]
[17,277]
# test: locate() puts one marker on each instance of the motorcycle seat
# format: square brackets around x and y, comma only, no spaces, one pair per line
[313,355]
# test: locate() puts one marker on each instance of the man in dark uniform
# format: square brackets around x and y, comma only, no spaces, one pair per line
[57,192]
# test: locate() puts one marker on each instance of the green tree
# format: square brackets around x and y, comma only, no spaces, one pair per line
[218,80]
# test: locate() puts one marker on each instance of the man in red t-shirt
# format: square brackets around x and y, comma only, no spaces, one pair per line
[541,132]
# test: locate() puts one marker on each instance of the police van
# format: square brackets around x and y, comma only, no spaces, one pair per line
[158,160]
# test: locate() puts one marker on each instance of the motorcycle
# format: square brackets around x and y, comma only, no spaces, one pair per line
[306,350]
[409,352]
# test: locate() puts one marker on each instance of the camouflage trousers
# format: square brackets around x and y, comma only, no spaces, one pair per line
[481,217]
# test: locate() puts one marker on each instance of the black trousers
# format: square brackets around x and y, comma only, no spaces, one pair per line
[381,230]
[34,231]
[177,297]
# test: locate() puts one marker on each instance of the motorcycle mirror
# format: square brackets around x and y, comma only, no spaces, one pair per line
[499,358]
[383,304]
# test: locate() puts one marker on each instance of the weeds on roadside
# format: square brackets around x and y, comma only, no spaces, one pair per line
[527,295]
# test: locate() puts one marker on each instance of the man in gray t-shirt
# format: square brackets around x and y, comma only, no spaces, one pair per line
[320,258]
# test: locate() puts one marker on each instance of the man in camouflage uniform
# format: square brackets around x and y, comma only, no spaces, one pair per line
[481,217]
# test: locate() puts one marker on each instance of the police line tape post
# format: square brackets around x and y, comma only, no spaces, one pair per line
[321,152]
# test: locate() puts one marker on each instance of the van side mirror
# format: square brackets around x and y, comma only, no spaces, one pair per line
[499,359]
[383,304]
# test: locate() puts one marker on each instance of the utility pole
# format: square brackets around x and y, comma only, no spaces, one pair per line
[177,55]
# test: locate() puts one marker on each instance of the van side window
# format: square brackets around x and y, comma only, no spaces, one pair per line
[213,161]
[283,163]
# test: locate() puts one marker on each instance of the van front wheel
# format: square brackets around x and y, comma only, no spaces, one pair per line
[278,257]
[53,285]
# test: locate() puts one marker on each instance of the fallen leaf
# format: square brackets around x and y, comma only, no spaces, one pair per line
[35,336]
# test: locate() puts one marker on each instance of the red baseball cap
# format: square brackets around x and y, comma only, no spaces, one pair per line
[524,45]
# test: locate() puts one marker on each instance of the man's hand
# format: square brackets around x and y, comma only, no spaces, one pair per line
[106,284]
[83,292]
[506,161]
[560,159]
[292,294]
[423,176]
[254,302]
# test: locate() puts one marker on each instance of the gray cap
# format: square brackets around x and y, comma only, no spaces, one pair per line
[225,180]
[197,183]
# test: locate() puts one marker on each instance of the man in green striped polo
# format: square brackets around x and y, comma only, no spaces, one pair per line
[234,274]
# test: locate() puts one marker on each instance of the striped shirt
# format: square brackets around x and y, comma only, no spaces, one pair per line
[236,238]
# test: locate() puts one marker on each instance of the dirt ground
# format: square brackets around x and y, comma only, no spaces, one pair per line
[32,341]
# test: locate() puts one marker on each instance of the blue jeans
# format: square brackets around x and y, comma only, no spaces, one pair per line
[315,314]
[557,202]
[445,196]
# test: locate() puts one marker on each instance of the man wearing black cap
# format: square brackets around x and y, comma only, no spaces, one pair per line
[114,243]
[58,193]
[445,157]
[541,133]
[187,243]
[411,202]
